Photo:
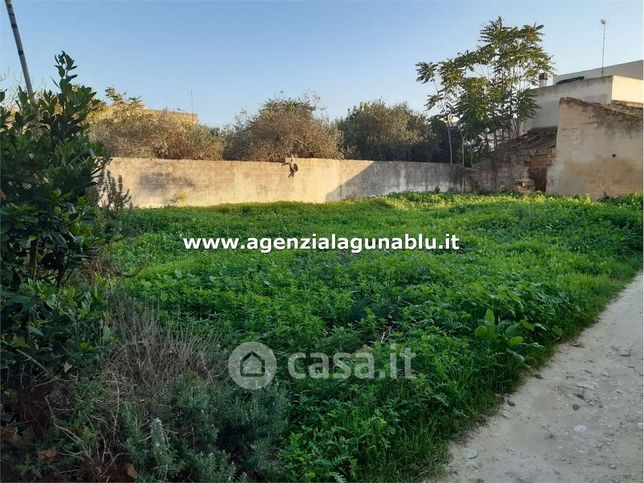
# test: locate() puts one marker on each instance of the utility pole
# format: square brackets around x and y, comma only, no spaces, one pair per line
[21,52]
[603,22]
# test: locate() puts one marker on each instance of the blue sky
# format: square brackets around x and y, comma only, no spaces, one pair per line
[235,55]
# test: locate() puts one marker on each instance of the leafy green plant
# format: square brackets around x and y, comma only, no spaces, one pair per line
[283,128]
[507,335]
[489,90]
[52,330]
[161,407]
[49,166]
[543,265]
[376,131]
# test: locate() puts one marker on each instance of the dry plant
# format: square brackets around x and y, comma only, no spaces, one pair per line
[146,359]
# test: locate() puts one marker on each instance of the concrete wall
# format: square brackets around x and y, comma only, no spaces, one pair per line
[547,98]
[627,69]
[162,182]
[599,150]
[627,90]
[603,90]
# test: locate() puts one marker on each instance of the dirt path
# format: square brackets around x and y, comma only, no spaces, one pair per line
[581,423]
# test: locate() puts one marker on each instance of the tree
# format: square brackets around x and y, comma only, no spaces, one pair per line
[126,128]
[487,93]
[376,131]
[281,129]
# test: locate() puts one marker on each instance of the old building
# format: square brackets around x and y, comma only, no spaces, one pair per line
[585,138]
[615,83]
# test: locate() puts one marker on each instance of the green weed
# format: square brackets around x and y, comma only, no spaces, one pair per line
[532,271]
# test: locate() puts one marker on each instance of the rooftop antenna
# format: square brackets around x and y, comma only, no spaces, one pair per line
[603,22]
[21,52]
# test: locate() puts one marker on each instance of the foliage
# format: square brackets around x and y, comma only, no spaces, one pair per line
[127,128]
[378,132]
[162,408]
[283,128]
[487,93]
[461,311]
[49,167]
[50,329]
[447,140]
[113,199]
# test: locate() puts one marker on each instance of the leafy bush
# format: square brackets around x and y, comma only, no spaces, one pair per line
[127,128]
[51,330]
[376,131]
[283,128]
[49,166]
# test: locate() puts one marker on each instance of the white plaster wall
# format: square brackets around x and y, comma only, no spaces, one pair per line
[627,90]
[547,98]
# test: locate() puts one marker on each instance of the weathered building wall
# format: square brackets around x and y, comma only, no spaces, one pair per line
[163,182]
[501,173]
[603,90]
[547,99]
[519,165]
[599,150]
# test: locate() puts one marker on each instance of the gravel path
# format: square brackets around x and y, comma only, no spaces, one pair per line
[582,422]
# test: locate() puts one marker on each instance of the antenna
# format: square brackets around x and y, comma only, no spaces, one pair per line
[192,107]
[603,22]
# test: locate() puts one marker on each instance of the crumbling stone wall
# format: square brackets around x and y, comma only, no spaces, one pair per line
[599,150]
[521,165]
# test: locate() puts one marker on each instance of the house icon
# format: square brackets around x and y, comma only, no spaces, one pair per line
[252,365]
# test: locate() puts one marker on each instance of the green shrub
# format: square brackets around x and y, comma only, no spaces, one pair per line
[376,131]
[49,167]
[127,128]
[52,331]
[162,405]
[283,128]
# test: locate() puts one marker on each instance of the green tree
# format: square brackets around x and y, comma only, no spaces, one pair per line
[373,130]
[126,128]
[487,93]
[281,129]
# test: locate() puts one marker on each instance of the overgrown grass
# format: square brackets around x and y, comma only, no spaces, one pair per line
[543,266]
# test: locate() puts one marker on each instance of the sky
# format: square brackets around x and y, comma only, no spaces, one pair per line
[219,58]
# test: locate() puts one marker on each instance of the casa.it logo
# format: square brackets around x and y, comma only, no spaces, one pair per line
[252,365]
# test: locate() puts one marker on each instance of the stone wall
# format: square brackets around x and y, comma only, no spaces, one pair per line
[164,182]
[520,165]
[599,150]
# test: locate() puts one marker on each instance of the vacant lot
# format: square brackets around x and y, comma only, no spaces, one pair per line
[531,272]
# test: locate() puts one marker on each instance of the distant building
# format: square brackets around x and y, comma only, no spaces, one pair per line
[621,83]
[633,70]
